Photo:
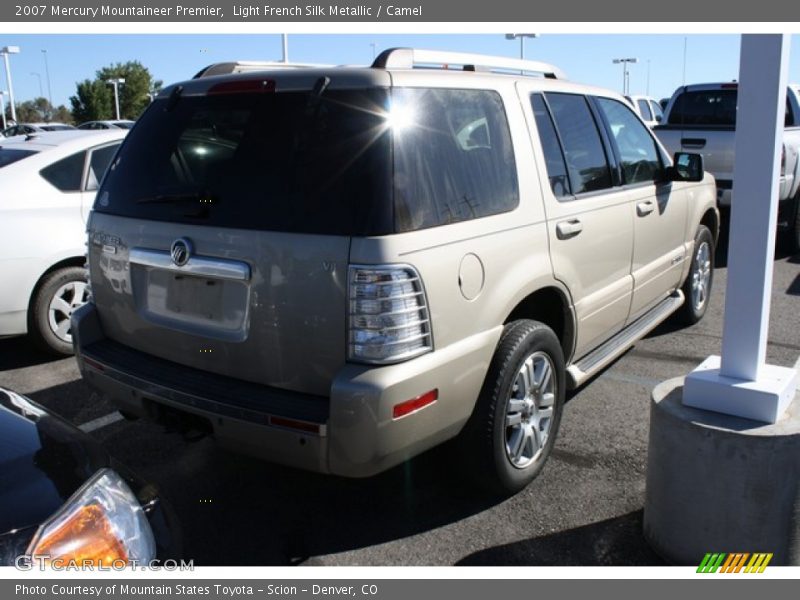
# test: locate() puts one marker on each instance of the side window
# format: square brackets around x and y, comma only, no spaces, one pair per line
[637,149]
[788,120]
[586,159]
[551,147]
[644,110]
[98,163]
[66,174]
[658,114]
[453,157]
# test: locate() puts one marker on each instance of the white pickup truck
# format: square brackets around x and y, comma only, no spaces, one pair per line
[702,118]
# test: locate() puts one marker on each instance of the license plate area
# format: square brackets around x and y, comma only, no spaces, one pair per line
[204,306]
[193,297]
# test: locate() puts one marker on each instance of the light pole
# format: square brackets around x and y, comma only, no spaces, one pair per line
[47,73]
[647,88]
[625,61]
[116,83]
[373,50]
[285,44]
[521,37]
[5,52]
[3,108]
[41,91]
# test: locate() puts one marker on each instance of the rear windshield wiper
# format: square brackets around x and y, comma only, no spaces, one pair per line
[203,198]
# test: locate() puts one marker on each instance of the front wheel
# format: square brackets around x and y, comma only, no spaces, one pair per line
[697,287]
[515,421]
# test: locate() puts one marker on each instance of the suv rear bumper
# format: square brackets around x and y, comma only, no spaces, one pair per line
[351,433]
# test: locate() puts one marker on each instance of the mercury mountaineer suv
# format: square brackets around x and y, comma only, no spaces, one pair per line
[339,268]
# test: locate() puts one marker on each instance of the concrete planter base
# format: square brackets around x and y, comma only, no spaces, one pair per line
[717,483]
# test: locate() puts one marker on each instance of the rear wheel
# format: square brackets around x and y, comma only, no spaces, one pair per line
[515,421]
[697,287]
[57,296]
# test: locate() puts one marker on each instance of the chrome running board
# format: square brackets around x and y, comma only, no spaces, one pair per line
[600,357]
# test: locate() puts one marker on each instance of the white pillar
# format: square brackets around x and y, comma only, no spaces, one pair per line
[740,383]
[10,88]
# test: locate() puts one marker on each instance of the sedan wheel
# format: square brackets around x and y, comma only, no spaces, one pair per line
[67,298]
[57,296]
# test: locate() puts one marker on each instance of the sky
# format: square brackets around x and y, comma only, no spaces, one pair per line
[175,57]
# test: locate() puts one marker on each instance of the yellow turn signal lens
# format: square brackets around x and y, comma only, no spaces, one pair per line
[85,538]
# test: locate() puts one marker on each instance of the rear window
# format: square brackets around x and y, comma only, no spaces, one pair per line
[289,161]
[12,155]
[706,107]
[355,162]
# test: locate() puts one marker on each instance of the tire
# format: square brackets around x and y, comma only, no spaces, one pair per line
[500,440]
[697,287]
[56,297]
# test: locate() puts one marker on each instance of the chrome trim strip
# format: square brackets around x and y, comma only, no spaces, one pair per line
[198,266]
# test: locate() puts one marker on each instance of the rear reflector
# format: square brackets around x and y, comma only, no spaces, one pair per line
[294,424]
[243,87]
[409,406]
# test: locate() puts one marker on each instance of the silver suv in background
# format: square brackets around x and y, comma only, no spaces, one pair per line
[339,268]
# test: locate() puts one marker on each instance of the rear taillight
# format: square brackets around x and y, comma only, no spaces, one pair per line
[389,319]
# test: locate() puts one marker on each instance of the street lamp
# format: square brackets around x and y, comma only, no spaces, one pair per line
[625,61]
[521,36]
[47,72]
[3,108]
[116,82]
[41,91]
[285,46]
[5,52]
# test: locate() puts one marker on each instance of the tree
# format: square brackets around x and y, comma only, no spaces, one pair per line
[95,98]
[40,109]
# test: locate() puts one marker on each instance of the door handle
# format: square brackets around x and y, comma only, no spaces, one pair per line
[645,208]
[568,229]
[693,143]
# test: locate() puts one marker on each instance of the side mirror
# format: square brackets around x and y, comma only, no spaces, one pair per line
[686,167]
[659,118]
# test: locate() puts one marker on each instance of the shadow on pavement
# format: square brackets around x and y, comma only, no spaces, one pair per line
[18,352]
[617,541]
[238,510]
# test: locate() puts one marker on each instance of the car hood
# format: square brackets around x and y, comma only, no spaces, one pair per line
[43,461]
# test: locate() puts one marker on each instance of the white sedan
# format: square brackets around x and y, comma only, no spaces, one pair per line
[47,188]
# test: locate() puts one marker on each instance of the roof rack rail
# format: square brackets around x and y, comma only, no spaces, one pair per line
[246,66]
[408,58]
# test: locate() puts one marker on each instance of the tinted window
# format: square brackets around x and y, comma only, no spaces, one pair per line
[453,157]
[289,161]
[11,155]
[98,163]
[708,107]
[66,174]
[583,149]
[637,149]
[644,110]
[553,156]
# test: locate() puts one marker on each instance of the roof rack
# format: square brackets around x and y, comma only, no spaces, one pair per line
[245,66]
[408,58]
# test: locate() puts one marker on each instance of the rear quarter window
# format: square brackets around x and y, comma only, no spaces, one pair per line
[67,173]
[453,157]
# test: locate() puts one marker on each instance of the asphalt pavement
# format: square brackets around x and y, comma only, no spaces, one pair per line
[584,509]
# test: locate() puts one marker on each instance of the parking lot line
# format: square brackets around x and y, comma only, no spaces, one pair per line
[101,422]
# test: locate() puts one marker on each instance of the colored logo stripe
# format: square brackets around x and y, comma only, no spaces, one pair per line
[734,562]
